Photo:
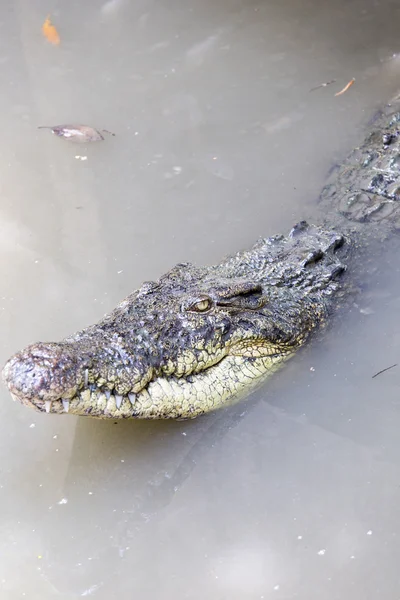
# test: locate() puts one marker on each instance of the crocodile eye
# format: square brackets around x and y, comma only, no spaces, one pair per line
[201,306]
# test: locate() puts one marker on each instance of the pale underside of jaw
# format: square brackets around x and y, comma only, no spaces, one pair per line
[222,384]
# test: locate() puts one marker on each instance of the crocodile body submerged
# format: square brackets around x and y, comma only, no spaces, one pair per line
[202,337]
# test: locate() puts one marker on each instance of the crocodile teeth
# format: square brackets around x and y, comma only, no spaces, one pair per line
[86,377]
[108,394]
[118,400]
[66,405]
[132,398]
[110,402]
[47,405]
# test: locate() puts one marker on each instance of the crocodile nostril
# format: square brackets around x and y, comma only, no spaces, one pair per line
[42,372]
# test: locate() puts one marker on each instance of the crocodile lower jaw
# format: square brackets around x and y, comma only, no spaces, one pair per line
[172,398]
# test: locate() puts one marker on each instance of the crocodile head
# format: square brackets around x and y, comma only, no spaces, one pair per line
[191,342]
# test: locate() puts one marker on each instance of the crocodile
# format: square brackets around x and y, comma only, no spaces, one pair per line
[201,338]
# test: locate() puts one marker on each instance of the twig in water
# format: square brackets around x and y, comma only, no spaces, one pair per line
[346,87]
[321,85]
[383,370]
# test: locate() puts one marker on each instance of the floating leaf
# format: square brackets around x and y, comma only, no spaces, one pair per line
[50,32]
[346,87]
[80,134]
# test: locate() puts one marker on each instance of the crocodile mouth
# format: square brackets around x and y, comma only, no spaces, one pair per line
[165,397]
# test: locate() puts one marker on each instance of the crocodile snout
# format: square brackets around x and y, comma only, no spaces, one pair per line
[42,373]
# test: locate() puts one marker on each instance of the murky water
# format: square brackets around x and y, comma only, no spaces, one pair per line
[294,494]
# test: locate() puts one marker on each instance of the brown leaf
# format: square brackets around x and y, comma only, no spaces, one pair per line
[80,134]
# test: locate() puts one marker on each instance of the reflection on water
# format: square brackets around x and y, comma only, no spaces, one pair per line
[293,494]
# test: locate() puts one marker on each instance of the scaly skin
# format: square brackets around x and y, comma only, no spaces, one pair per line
[201,338]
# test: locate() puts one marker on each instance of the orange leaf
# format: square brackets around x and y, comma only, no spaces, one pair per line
[346,87]
[50,32]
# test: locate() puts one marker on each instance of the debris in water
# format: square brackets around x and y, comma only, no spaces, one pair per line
[321,85]
[50,32]
[80,134]
[367,311]
[383,370]
[346,87]
[92,589]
